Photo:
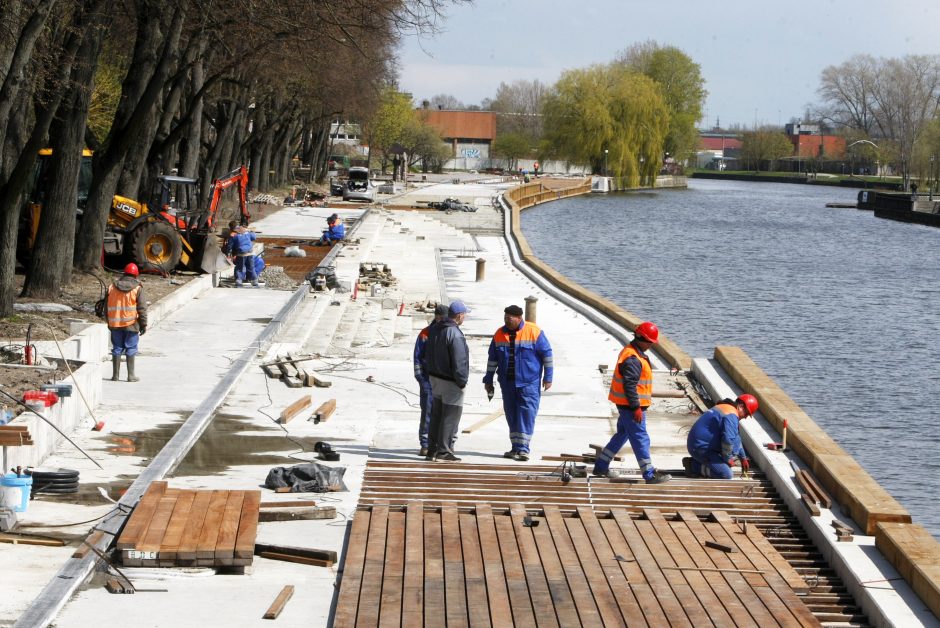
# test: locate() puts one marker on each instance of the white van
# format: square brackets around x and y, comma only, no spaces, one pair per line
[358,186]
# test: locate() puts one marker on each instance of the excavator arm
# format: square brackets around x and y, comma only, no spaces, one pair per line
[238,177]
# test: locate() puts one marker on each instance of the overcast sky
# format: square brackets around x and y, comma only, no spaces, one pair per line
[760,61]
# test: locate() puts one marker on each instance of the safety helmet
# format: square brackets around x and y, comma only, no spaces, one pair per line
[131,269]
[647,331]
[750,402]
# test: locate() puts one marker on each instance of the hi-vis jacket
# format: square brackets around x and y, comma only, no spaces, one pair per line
[127,308]
[632,385]
[717,431]
[533,355]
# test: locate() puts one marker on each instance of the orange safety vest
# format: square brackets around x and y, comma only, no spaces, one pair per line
[122,307]
[730,408]
[644,387]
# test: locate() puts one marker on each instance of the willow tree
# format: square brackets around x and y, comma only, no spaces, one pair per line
[609,116]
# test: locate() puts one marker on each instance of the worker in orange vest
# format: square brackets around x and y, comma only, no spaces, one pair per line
[714,441]
[127,320]
[632,391]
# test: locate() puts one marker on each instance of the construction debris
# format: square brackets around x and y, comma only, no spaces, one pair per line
[326,409]
[375,274]
[279,602]
[293,409]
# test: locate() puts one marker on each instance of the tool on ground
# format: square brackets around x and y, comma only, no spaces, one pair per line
[783,446]
[529,522]
[325,451]
[773,446]
[98,425]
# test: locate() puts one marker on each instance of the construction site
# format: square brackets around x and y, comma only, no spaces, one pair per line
[190,497]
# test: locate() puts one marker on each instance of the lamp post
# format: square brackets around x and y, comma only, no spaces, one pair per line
[605,161]
[932,179]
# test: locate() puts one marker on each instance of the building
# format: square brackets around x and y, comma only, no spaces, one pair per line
[716,148]
[470,134]
[810,141]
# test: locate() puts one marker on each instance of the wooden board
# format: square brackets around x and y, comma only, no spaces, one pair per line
[173,527]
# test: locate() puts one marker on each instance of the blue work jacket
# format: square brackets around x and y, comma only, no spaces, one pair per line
[717,431]
[533,356]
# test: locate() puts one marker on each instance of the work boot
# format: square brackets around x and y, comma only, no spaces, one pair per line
[687,465]
[423,452]
[130,369]
[115,368]
[254,284]
[659,478]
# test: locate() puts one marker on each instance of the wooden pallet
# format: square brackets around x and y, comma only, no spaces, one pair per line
[188,528]
[15,436]
[417,566]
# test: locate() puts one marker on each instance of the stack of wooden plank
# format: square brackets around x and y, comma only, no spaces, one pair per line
[288,370]
[189,528]
[15,436]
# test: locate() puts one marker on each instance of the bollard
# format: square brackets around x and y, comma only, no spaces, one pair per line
[481,268]
[530,302]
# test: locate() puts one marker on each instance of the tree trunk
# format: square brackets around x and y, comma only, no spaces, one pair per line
[192,146]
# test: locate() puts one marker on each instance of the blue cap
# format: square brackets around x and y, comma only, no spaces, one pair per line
[457,307]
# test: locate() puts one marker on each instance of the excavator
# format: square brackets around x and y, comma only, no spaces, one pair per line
[173,231]
[170,232]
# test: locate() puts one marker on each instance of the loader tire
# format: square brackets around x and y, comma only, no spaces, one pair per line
[156,246]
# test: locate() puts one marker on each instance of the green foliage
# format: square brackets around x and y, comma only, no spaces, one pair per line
[424,143]
[105,96]
[609,108]
[764,145]
[391,119]
[511,146]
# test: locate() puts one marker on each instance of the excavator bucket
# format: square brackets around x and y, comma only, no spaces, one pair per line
[213,260]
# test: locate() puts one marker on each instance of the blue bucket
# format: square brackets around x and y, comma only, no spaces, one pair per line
[22,482]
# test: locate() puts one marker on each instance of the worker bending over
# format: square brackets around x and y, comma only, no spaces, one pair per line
[631,390]
[520,356]
[127,320]
[334,232]
[240,244]
[715,440]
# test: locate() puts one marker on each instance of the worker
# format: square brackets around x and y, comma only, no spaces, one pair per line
[424,382]
[715,441]
[447,363]
[240,245]
[631,390]
[334,232]
[520,357]
[127,320]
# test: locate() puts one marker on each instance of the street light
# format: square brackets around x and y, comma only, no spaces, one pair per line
[932,181]
[605,161]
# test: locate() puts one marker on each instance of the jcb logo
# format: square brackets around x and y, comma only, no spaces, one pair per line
[127,209]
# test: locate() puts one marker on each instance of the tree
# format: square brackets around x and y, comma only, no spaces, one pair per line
[764,145]
[387,126]
[682,87]
[518,106]
[511,146]
[446,102]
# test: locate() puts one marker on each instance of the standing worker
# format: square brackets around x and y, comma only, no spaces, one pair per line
[521,358]
[241,244]
[715,440]
[127,320]
[631,389]
[424,382]
[334,232]
[447,363]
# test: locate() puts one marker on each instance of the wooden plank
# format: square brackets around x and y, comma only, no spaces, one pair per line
[174,531]
[158,524]
[603,556]
[293,409]
[324,411]
[478,608]
[293,558]
[810,503]
[140,519]
[588,611]
[307,552]
[412,612]
[279,602]
[248,525]
[771,559]
[532,566]
[347,605]
[288,504]
[228,528]
[565,608]
[821,496]
[370,593]
[679,604]
[87,542]
[497,594]
[434,597]
[30,539]
[193,527]
[489,418]
[454,586]
[391,601]
[303,513]
[604,596]
[209,534]
[519,598]
[653,612]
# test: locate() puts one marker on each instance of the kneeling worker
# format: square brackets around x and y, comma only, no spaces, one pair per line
[631,389]
[334,232]
[715,440]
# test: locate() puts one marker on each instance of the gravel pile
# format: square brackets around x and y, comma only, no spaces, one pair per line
[275,279]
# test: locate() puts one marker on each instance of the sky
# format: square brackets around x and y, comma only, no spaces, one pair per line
[761,61]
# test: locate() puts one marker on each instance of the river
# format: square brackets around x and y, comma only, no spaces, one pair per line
[839,307]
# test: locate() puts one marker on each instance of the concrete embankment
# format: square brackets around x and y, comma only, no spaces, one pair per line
[909,547]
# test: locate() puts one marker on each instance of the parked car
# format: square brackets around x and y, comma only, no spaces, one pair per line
[358,186]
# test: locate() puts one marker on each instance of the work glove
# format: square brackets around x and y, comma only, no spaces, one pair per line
[638,415]
[143,330]
[731,462]
[745,465]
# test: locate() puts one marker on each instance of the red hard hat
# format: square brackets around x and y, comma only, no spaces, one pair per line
[647,331]
[131,269]
[750,402]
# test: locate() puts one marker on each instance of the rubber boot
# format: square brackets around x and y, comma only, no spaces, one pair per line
[130,369]
[115,368]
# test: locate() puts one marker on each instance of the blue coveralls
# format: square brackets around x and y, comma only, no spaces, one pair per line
[424,383]
[533,364]
[713,441]
[336,231]
[240,245]
[627,428]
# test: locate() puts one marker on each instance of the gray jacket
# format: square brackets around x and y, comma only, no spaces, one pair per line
[446,355]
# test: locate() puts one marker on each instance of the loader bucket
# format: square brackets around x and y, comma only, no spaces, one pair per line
[213,260]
